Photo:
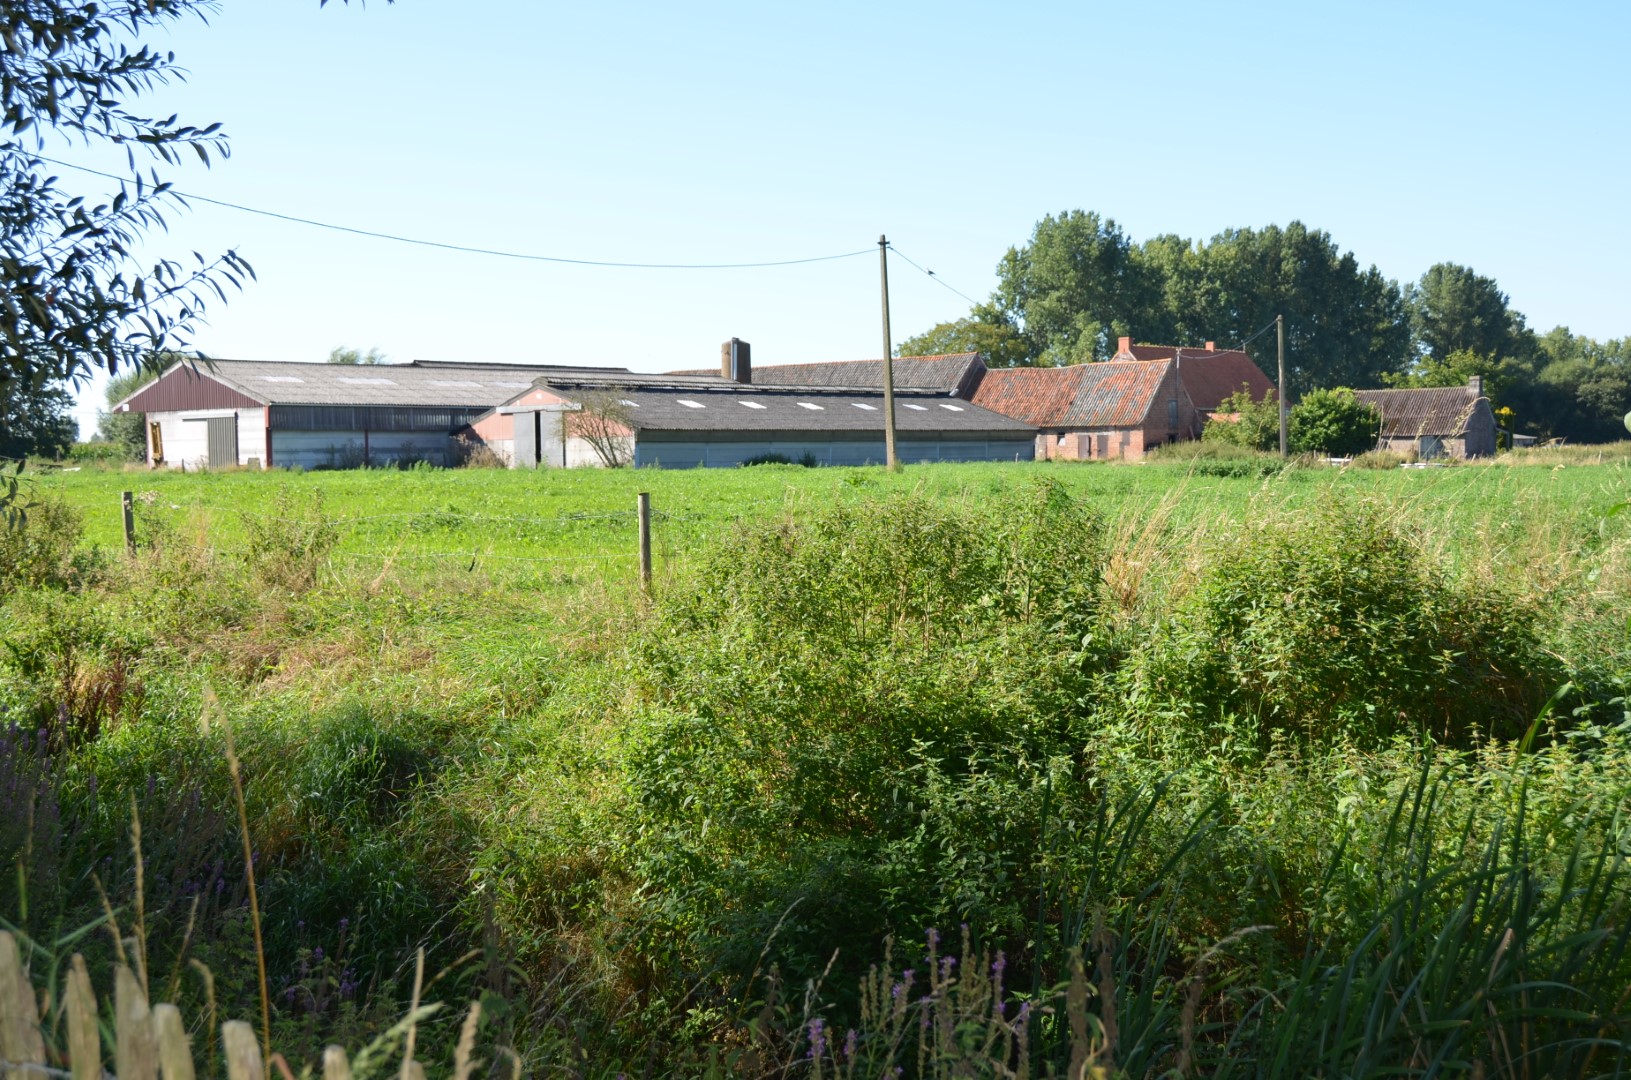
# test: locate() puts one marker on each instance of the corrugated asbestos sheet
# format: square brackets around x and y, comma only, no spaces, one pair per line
[725,406]
[1439,410]
[254,383]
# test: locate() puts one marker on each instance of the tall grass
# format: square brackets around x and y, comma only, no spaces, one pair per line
[1248,746]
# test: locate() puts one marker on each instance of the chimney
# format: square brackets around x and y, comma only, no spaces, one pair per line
[1475,383]
[1211,346]
[736,361]
[1124,346]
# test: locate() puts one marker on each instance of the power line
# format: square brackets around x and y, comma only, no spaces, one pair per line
[934,276]
[463,247]
[1266,328]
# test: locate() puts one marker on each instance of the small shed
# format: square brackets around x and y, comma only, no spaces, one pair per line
[1437,421]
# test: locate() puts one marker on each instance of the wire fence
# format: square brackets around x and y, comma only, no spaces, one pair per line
[430,534]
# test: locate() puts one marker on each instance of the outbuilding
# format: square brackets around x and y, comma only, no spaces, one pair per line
[1436,421]
[219,413]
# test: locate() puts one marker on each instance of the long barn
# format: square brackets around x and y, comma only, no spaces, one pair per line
[267,413]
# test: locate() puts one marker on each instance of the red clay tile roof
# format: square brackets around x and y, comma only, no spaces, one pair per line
[1101,395]
[1211,377]
[1439,410]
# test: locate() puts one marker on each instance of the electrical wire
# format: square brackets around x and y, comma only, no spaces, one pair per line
[933,275]
[186,196]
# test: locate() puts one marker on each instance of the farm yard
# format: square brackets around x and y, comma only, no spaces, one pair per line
[1201,766]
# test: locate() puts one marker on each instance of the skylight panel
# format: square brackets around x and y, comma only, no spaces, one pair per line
[952,408]
[512,385]
[864,405]
[919,408]
[453,382]
[630,404]
[280,378]
[689,404]
[808,405]
[751,405]
[366,381]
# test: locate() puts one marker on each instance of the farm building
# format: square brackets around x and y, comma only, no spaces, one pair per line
[263,413]
[1146,396]
[688,420]
[1438,421]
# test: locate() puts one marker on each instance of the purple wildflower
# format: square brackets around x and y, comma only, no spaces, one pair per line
[818,1037]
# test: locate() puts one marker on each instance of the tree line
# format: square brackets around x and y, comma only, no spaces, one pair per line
[1080,282]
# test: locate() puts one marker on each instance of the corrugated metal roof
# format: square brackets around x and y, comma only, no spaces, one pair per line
[952,373]
[728,406]
[1443,411]
[267,382]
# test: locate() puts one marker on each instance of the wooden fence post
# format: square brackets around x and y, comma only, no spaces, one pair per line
[127,504]
[20,1041]
[135,1051]
[643,507]
[84,1040]
[243,1052]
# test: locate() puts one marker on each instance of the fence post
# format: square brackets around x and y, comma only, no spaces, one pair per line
[127,504]
[643,507]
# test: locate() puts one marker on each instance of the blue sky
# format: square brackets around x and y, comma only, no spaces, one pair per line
[1497,135]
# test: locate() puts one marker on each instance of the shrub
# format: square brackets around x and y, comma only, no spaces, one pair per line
[37,547]
[1255,424]
[854,711]
[290,541]
[99,452]
[1381,459]
[771,458]
[1334,423]
[1334,626]
[1218,457]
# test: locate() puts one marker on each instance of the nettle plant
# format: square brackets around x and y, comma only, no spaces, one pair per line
[1332,625]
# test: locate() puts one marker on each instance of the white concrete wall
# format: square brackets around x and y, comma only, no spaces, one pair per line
[185,436]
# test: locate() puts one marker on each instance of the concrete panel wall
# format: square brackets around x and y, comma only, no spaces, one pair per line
[185,437]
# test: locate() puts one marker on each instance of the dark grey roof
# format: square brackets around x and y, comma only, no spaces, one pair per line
[702,403]
[952,373]
[418,383]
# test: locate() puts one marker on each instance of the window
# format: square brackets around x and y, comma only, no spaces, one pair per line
[864,405]
[365,381]
[689,404]
[1172,413]
[807,405]
[953,408]
[751,405]
[630,404]
[918,408]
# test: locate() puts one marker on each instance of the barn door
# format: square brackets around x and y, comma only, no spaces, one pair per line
[223,441]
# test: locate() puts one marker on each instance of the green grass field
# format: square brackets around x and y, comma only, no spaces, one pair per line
[1319,767]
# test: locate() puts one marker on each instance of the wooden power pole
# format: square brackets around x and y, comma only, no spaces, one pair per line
[1280,330]
[888,360]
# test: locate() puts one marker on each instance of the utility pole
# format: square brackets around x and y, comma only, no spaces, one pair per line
[1280,330]
[888,360]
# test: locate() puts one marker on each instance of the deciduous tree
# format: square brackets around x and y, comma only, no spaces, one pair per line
[604,420]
